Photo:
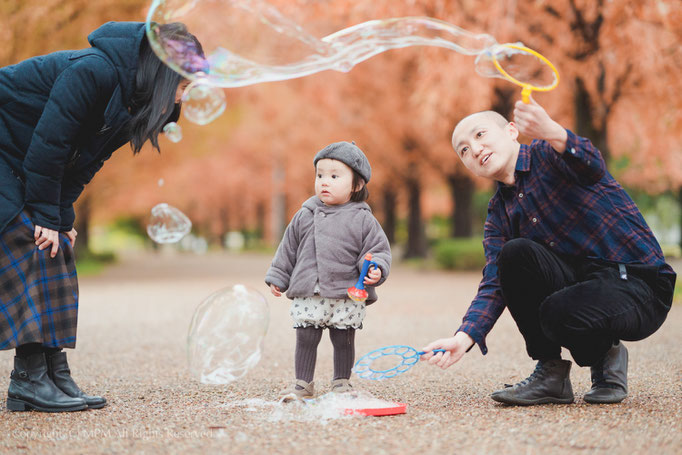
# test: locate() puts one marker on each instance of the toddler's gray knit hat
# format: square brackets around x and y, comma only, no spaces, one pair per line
[349,154]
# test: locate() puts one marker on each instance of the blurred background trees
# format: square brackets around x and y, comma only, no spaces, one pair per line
[250,170]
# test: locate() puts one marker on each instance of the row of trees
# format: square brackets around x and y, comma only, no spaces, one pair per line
[252,167]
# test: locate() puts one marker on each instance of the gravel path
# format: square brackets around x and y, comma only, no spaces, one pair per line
[132,331]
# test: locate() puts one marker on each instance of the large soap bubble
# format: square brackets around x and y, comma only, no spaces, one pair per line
[226,335]
[168,224]
[202,103]
[173,132]
[249,41]
[245,42]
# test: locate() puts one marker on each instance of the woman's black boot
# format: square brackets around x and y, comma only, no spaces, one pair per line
[30,387]
[59,372]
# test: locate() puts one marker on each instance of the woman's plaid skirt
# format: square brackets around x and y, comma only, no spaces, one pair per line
[38,294]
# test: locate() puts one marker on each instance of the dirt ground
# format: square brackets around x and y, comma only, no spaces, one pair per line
[132,334]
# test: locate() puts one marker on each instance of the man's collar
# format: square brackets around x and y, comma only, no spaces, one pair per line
[522,165]
[523,161]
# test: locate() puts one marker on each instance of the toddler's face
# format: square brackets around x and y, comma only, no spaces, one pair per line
[333,182]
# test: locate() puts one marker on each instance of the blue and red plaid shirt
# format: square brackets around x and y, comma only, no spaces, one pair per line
[567,202]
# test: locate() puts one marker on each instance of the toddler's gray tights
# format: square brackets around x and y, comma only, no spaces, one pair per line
[307,340]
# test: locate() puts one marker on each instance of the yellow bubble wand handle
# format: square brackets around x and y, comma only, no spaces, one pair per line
[526,92]
[527,89]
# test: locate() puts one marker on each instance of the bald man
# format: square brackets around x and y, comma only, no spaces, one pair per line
[567,252]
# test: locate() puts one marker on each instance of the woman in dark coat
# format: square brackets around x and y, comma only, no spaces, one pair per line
[62,115]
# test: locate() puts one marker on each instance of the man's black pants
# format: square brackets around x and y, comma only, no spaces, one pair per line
[584,306]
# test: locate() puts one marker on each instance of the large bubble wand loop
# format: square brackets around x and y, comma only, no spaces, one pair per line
[407,357]
[526,87]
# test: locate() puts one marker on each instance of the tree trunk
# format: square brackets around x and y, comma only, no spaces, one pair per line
[389,206]
[585,121]
[278,220]
[82,226]
[224,225]
[416,241]
[462,190]
[260,220]
[503,101]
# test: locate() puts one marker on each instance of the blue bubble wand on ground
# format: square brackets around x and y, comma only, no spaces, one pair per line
[408,357]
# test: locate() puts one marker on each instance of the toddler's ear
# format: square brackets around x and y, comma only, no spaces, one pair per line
[359,186]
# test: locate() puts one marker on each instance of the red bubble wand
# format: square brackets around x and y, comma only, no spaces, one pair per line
[358,292]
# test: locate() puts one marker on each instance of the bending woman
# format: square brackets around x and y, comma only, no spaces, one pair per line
[62,115]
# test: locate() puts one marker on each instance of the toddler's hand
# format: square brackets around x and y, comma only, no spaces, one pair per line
[275,290]
[373,276]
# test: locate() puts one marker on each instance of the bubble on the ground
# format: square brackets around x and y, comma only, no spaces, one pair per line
[226,335]
[330,406]
[167,224]
[241,437]
[202,103]
[161,182]
[173,132]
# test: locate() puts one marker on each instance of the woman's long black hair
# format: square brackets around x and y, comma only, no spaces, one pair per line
[152,105]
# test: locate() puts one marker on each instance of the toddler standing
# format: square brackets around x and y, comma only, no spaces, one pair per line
[321,256]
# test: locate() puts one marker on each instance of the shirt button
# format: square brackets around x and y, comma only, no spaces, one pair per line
[573,150]
[520,195]
[552,243]
[534,220]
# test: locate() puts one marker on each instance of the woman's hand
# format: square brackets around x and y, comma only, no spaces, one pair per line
[71,235]
[455,347]
[45,237]
[373,276]
[275,290]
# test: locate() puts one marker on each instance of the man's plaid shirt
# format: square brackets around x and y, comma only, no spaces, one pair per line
[569,203]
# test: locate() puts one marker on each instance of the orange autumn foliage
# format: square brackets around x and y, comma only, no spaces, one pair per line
[399,106]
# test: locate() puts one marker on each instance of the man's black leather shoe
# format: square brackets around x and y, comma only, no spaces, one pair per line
[610,377]
[549,383]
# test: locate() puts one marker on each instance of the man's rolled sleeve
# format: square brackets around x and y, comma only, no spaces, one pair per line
[488,304]
[484,310]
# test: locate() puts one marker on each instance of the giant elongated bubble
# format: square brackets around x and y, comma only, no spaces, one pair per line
[250,41]
[226,335]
